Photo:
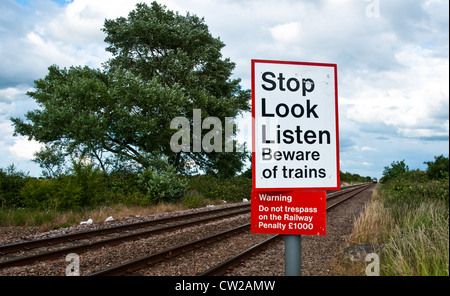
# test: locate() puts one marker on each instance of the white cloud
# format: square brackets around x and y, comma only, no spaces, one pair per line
[392,69]
[286,33]
[82,20]
[413,99]
[10,93]
[47,51]
[23,149]
[366,148]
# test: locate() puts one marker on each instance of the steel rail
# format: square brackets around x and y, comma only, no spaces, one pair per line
[345,190]
[14,247]
[232,262]
[118,240]
[225,266]
[110,242]
[219,269]
[353,193]
[134,265]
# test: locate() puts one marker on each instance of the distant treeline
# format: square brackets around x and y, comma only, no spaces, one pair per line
[354,178]
[87,185]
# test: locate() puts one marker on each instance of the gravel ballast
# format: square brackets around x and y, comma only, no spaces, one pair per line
[318,252]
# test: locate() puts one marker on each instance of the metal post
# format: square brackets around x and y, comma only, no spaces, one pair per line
[292,255]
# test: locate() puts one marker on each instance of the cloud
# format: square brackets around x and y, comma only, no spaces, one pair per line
[82,20]
[23,149]
[48,33]
[413,100]
[286,33]
[10,94]
[367,148]
[392,69]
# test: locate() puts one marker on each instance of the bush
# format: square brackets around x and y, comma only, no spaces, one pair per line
[414,187]
[11,182]
[86,186]
[233,190]
[162,186]
[439,169]
[397,168]
[39,193]
[418,243]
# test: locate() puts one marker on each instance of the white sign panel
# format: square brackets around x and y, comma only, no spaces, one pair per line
[295,126]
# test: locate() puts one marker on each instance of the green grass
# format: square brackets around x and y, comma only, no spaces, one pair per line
[419,244]
[26,217]
[409,216]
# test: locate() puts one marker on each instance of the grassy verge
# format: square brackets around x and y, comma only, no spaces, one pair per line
[69,199]
[409,218]
[53,219]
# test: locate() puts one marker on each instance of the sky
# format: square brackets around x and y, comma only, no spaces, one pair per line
[392,59]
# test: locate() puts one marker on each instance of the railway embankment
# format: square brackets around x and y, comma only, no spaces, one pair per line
[405,227]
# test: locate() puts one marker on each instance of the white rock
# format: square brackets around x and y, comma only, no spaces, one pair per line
[110,218]
[245,200]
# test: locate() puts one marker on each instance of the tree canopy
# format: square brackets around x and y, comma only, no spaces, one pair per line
[164,65]
[397,168]
[439,169]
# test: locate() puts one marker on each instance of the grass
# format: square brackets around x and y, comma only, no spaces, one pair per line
[374,223]
[423,247]
[411,222]
[53,219]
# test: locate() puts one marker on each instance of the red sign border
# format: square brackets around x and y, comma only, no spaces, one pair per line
[311,193]
[254,61]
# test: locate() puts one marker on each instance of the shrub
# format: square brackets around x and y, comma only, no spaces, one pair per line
[11,182]
[233,189]
[439,169]
[162,186]
[414,187]
[39,193]
[397,168]
[86,186]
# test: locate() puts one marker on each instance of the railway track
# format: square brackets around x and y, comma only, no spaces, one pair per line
[101,238]
[334,200]
[109,241]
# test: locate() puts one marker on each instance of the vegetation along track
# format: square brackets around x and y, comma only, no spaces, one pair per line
[228,227]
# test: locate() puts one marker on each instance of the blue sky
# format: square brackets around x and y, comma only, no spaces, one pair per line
[392,57]
[32,2]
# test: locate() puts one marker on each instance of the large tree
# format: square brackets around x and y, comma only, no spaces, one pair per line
[164,65]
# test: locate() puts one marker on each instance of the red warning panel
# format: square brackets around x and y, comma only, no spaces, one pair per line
[289,212]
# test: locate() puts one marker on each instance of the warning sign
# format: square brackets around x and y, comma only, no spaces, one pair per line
[289,212]
[295,126]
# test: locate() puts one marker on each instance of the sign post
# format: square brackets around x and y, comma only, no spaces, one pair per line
[295,153]
[292,255]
